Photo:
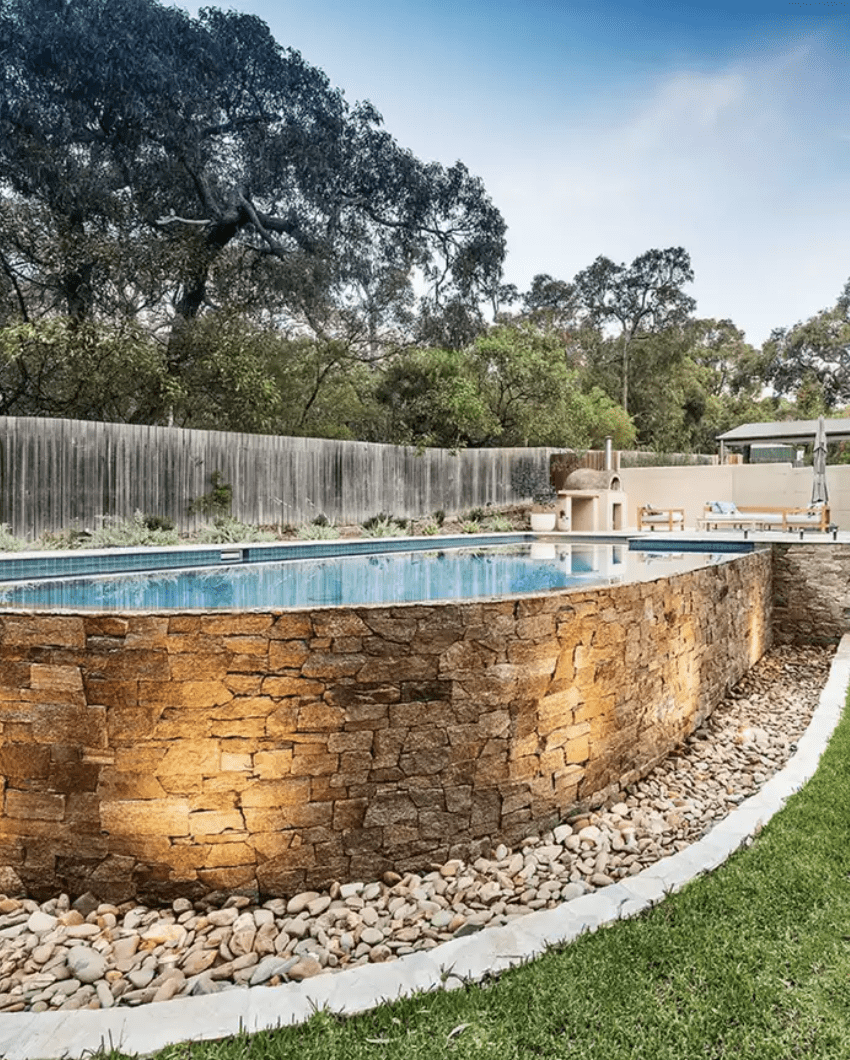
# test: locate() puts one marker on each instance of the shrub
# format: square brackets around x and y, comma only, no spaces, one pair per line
[230,531]
[8,541]
[471,526]
[384,526]
[499,523]
[127,533]
[217,503]
[318,532]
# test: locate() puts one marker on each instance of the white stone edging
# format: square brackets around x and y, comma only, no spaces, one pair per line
[73,1035]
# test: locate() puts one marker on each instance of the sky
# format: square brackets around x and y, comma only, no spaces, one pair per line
[615,126]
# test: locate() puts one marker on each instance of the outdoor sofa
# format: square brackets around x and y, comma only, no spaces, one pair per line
[724,515]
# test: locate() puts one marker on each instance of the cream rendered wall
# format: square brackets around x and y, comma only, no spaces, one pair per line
[745,484]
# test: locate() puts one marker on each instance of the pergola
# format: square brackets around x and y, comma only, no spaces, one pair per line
[789,432]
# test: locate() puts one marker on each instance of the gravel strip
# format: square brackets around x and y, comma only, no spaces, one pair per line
[62,955]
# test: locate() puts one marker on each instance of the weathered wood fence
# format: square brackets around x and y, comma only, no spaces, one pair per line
[56,474]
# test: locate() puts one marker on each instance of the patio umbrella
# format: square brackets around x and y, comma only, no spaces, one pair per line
[820,494]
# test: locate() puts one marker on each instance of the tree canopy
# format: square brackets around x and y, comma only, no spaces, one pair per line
[158,164]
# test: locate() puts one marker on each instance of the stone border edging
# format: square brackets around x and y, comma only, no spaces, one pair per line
[73,1035]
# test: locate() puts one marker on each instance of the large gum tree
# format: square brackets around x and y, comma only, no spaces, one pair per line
[162,167]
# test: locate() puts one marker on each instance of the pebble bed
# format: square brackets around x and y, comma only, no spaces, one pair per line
[62,955]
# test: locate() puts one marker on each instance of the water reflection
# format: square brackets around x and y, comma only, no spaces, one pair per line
[447,574]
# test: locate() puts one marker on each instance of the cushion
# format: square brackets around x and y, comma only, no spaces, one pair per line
[723,507]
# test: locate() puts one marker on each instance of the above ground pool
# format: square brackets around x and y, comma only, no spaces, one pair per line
[341,574]
[184,720]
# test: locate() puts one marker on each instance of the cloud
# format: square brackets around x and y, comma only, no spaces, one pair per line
[737,164]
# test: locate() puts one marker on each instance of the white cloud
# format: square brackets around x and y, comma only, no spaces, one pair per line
[729,164]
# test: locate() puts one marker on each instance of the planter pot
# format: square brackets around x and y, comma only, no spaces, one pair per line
[543,521]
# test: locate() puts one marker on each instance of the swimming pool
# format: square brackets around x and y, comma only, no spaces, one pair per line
[344,578]
[167,751]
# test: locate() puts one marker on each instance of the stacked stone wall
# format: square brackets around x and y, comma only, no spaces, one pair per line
[811,601]
[156,755]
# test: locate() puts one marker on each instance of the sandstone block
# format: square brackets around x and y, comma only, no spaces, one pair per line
[160,817]
[190,757]
[200,694]
[349,813]
[35,806]
[291,685]
[272,794]
[43,630]
[272,765]
[361,740]
[292,627]
[391,628]
[287,654]
[330,666]
[317,765]
[60,678]
[25,760]
[211,666]
[236,762]
[320,717]
[213,822]
[390,808]
[339,623]
[401,668]
[238,624]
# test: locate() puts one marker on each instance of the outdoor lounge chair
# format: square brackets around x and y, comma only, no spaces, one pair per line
[650,518]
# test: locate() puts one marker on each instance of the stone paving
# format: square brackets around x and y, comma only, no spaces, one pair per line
[441,926]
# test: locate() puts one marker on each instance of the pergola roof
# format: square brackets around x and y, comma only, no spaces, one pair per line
[790,432]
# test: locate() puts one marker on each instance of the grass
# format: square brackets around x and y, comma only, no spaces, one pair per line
[750,962]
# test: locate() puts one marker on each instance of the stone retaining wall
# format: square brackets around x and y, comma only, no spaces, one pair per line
[811,592]
[168,754]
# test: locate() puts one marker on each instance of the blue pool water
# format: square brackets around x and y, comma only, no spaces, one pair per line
[379,578]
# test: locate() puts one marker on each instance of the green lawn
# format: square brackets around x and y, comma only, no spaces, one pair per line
[753,961]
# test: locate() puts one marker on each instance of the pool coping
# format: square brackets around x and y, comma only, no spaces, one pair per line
[72,1035]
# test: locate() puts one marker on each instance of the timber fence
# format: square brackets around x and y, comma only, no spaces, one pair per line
[56,474]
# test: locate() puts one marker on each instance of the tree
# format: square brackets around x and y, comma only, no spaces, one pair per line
[164,167]
[641,299]
[813,354]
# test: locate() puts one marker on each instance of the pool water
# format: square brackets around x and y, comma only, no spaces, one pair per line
[378,578]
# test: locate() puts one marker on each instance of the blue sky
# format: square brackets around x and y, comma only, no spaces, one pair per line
[614,126]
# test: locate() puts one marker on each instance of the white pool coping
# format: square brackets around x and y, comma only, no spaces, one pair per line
[76,1034]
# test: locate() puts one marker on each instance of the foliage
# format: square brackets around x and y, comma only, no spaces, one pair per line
[217,502]
[430,397]
[470,526]
[812,359]
[642,299]
[226,530]
[497,523]
[8,541]
[318,532]
[61,368]
[157,165]
[384,526]
[530,479]
[128,533]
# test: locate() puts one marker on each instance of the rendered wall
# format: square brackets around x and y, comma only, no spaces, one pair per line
[746,484]
[175,754]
